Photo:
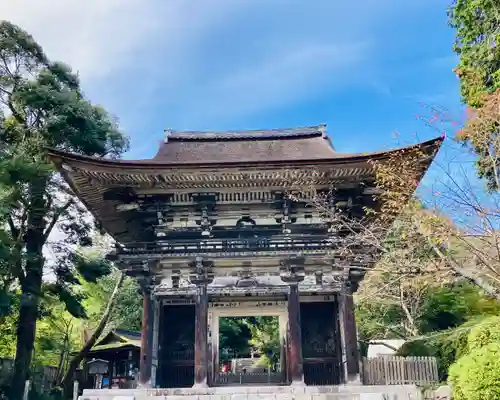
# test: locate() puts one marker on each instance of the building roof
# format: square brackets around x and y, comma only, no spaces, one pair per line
[118,339]
[245,146]
[189,162]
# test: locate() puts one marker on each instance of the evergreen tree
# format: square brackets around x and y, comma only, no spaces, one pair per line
[44,108]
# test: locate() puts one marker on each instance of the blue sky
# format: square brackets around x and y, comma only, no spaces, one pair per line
[361,67]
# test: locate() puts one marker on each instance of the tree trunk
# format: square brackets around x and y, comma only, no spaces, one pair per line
[67,381]
[63,355]
[30,291]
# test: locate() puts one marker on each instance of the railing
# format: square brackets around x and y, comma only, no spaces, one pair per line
[306,243]
[249,378]
[391,370]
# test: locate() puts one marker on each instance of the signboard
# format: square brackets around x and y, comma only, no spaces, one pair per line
[98,367]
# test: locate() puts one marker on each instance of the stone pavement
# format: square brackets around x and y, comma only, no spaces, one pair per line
[347,392]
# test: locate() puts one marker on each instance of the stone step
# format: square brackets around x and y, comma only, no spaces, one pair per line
[348,392]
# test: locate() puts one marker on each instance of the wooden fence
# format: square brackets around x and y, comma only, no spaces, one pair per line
[391,370]
[43,377]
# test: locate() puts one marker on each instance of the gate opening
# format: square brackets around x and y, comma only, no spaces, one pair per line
[250,351]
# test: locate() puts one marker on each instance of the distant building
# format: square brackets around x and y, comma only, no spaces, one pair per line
[120,350]
[386,347]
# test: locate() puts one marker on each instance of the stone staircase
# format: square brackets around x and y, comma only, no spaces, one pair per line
[246,365]
[347,392]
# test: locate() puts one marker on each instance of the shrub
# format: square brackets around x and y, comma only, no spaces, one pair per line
[476,376]
[417,348]
[484,333]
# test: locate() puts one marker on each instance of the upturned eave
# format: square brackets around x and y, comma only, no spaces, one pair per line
[62,159]
[91,177]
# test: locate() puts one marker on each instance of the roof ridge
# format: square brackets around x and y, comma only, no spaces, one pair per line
[315,130]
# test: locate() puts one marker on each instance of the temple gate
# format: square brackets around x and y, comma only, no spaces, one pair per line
[207,228]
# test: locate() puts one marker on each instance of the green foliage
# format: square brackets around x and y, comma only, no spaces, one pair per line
[447,347]
[452,305]
[476,376]
[451,310]
[239,335]
[416,348]
[488,331]
[8,333]
[234,337]
[43,107]
[265,338]
[441,308]
[46,108]
[127,312]
[91,268]
[477,44]
[378,320]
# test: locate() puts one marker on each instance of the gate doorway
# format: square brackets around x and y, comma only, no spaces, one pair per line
[248,344]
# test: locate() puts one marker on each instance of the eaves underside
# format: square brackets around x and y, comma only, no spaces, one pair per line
[86,176]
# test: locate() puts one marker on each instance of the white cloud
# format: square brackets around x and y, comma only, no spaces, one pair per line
[202,63]
[89,35]
[99,37]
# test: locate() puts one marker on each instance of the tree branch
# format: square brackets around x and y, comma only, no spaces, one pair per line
[471,276]
[57,213]
[13,229]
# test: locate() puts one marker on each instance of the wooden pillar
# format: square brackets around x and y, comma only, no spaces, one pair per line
[155,341]
[201,337]
[295,335]
[146,339]
[283,323]
[349,338]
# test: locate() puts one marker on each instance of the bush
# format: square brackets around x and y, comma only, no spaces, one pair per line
[484,333]
[447,348]
[476,376]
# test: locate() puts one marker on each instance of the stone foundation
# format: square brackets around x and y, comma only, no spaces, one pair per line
[347,392]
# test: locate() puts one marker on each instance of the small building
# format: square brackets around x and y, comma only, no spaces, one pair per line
[385,347]
[116,360]
[209,230]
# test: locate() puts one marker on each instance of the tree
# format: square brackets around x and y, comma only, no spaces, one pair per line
[67,379]
[127,310]
[477,25]
[44,108]
[234,336]
[265,338]
[442,318]
[57,335]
